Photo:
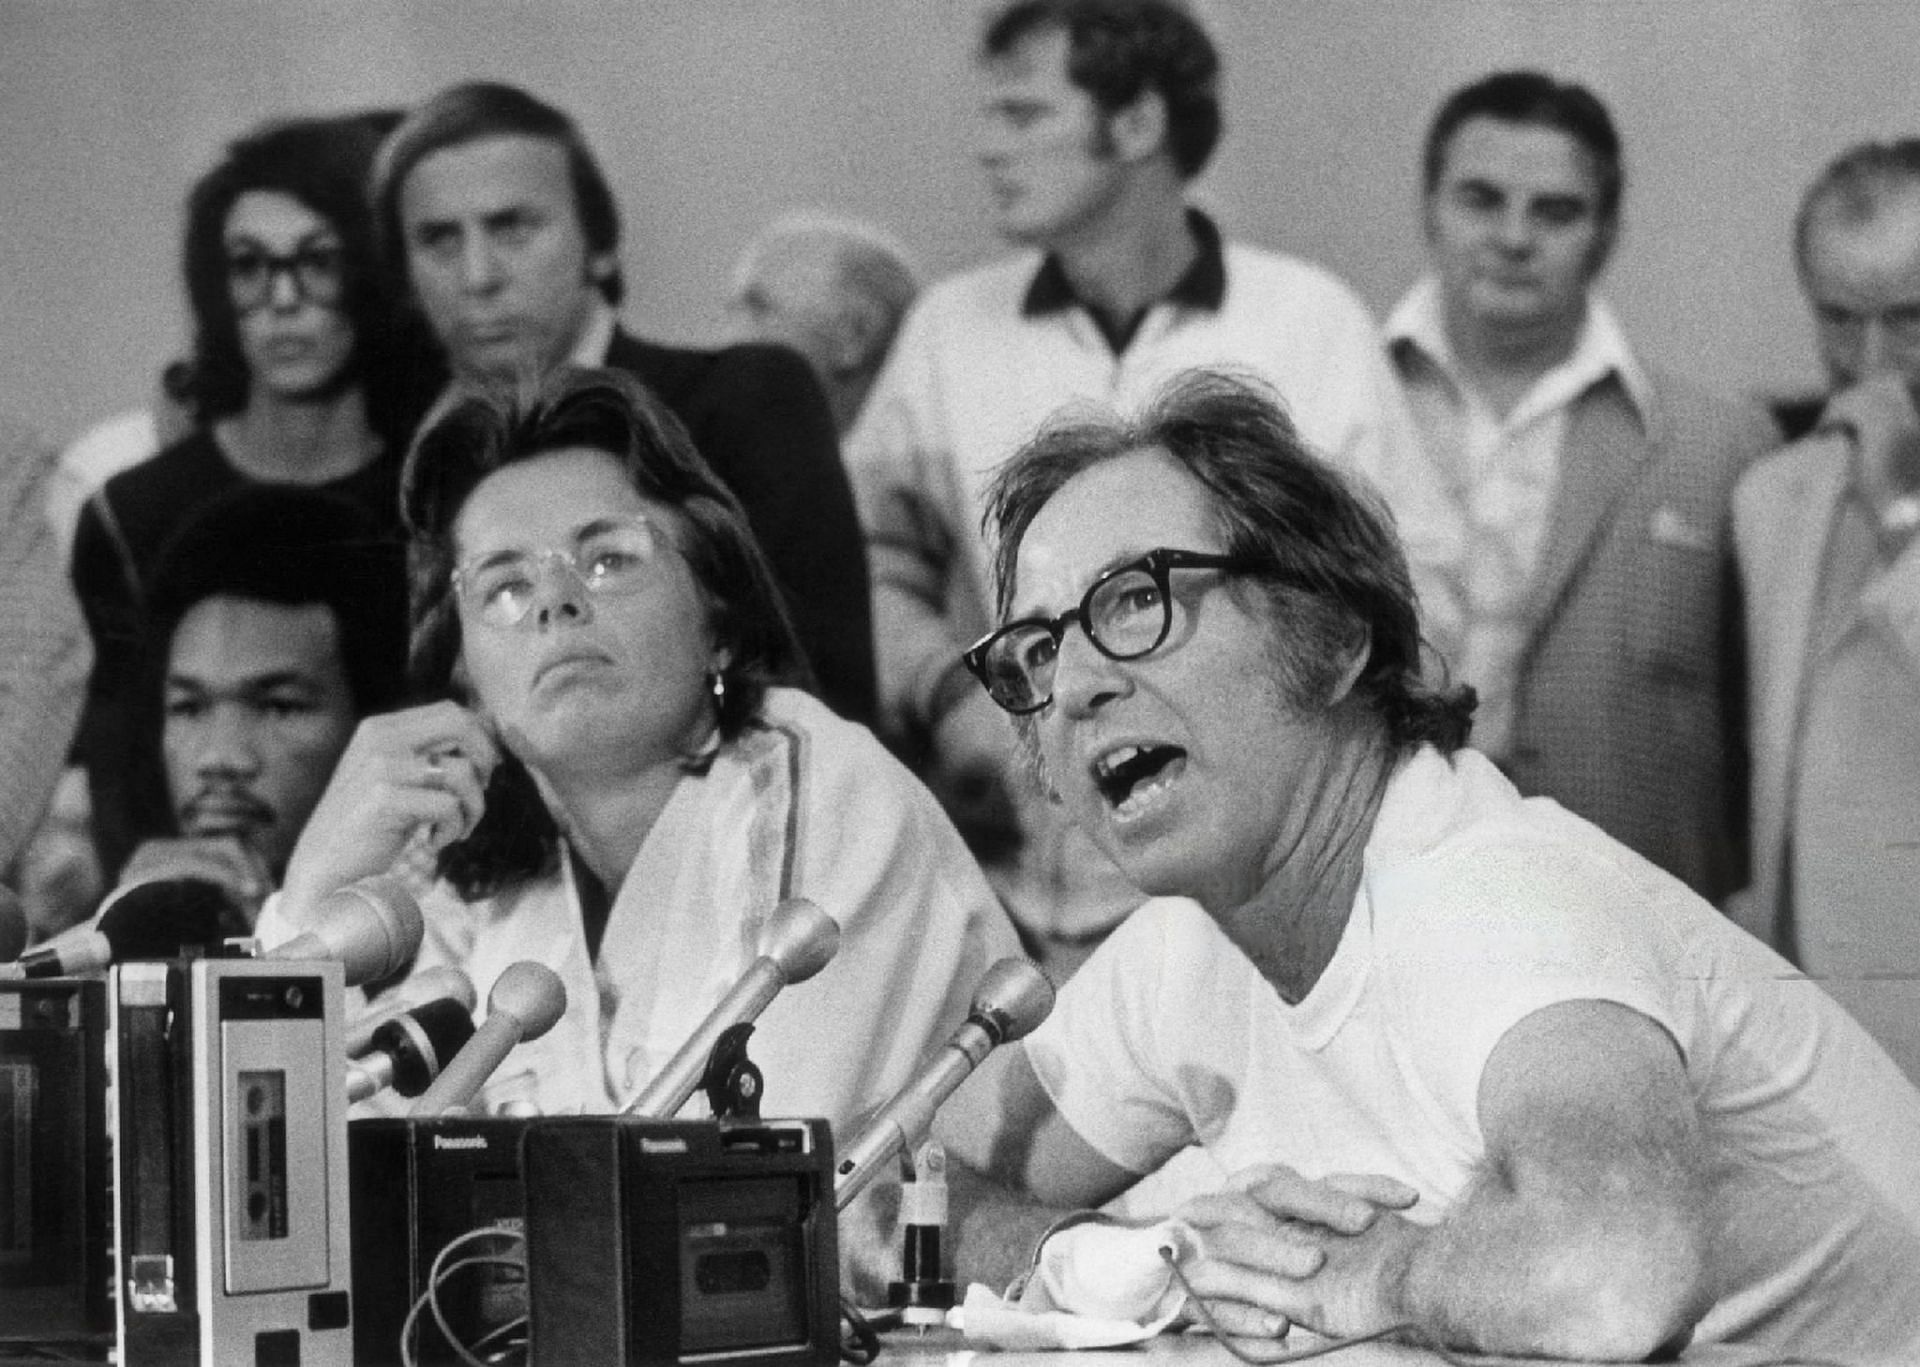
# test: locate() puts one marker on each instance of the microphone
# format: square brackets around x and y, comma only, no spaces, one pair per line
[796,942]
[427,985]
[410,1047]
[526,1000]
[154,920]
[1012,998]
[371,927]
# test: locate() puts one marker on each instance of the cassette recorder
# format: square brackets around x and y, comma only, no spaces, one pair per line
[422,1187]
[54,1224]
[658,1241]
[227,1121]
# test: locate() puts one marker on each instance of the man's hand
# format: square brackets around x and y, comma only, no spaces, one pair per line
[1356,1289]
[225,860]
[1277,1248]
[1886,458]
[422,769]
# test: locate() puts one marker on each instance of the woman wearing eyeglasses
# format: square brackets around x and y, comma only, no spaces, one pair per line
[624,781]
[301,374]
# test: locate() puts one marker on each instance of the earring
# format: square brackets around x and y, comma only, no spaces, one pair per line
[718,683]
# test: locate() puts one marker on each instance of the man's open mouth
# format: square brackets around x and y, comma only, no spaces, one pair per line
[1131,775]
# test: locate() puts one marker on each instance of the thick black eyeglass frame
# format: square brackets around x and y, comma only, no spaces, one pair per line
[324,286]
[1159,563]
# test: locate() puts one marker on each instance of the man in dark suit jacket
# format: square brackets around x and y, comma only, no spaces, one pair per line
[1590,492]
[491,204]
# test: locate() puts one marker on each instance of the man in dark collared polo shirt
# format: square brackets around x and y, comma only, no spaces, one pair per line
[1098,115]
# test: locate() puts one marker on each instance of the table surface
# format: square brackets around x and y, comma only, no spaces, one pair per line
[948,1348]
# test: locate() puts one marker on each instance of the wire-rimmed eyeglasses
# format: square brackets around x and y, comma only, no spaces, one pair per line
[610,557]
[1127,612]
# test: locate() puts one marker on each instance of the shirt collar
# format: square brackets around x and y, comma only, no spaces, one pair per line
[596,337]
[1203,285]
[1416,325]
[1875,408]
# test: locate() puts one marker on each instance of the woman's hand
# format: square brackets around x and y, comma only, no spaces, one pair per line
[421,770]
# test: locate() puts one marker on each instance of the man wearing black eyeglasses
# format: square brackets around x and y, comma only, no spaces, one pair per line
[1474,1074]
[1097,118]
[1126,612]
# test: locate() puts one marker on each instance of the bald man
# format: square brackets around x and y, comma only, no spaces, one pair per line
[832,289]
[1828,536]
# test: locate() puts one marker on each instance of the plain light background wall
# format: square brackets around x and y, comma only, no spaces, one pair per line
[712,116]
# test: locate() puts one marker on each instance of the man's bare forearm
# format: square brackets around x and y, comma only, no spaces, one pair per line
[994,1229]
[1608,1270]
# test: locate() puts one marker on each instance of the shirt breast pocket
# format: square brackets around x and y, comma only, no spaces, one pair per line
[1680,583]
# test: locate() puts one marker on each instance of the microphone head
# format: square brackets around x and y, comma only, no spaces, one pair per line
[157,920]
[373,927]
[13,924]
[800,938]
[1013,997]
[429,984]
[432,984]
[421,1042]
[532,994]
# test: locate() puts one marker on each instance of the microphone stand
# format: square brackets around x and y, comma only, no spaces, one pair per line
[733,1082]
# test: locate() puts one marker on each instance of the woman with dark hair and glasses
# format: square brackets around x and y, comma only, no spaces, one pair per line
[302,373]
[620,780]
[1472,1072]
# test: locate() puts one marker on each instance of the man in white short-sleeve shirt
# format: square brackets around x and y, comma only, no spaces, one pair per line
[1477,909]
[1480,1076]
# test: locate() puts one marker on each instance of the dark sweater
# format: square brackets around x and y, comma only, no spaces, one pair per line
[117,545]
